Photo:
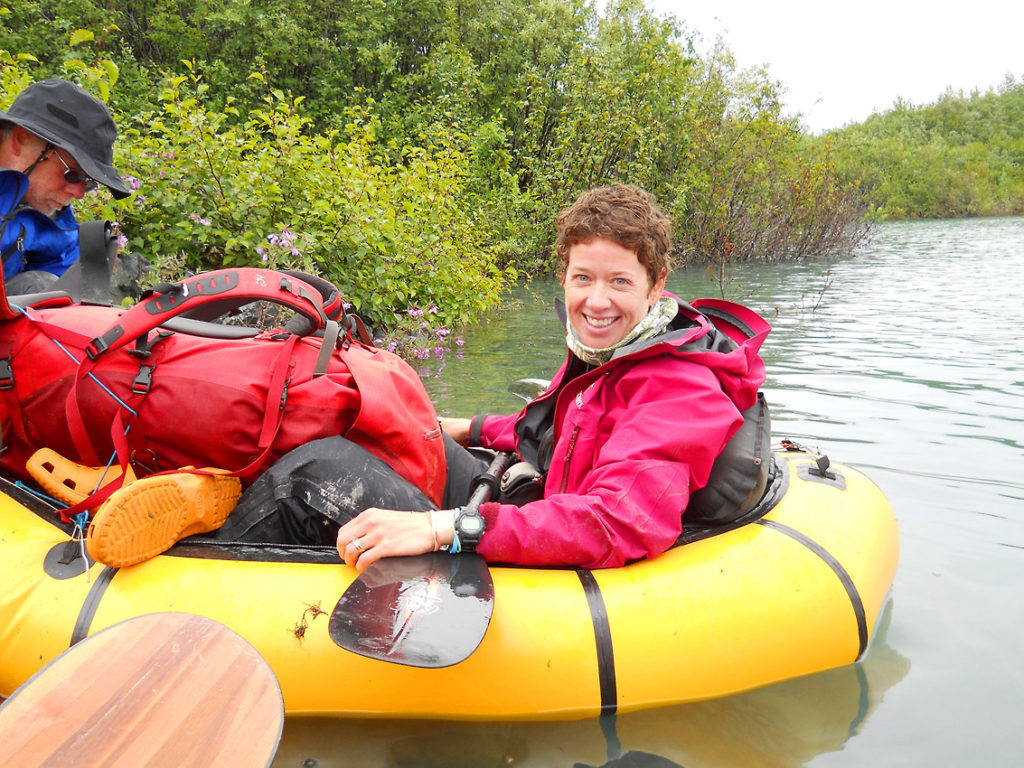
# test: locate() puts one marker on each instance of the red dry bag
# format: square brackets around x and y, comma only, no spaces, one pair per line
[166,390]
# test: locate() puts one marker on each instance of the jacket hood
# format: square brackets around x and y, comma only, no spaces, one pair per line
[721,335]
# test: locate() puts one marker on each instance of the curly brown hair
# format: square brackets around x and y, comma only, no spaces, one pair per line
[622,213]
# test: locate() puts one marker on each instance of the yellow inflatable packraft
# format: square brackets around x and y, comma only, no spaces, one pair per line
[794,592]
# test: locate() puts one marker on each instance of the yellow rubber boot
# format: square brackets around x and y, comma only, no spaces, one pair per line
[68,481]
[149,516]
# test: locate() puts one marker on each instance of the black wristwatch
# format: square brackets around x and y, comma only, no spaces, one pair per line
[469,527]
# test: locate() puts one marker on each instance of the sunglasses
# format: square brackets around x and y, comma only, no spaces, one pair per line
[75,175]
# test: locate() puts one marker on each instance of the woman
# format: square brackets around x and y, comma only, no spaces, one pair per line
[648,396]
[650,393]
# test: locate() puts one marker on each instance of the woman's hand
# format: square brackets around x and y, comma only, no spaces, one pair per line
[377,533]
[457,429]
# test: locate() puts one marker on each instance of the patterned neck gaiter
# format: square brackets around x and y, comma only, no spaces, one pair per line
[661,314]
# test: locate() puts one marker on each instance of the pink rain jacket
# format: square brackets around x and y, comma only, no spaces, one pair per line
[633,439]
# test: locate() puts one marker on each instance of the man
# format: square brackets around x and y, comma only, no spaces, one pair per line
[56,143]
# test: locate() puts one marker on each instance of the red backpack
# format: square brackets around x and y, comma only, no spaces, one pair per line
[160,389]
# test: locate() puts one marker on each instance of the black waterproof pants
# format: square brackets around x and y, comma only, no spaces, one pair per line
[311,491]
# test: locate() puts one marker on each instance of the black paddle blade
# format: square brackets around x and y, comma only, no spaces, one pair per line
[424,611]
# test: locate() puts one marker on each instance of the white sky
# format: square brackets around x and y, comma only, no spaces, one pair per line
[840,62]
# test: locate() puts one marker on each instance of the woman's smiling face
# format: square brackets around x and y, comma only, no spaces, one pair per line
[607,291]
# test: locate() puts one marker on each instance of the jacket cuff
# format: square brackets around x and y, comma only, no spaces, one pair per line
[476,426]
[489,511]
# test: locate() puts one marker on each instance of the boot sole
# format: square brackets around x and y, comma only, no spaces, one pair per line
[151,515]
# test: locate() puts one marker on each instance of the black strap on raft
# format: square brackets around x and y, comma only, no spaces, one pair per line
[603,639]
[856,603]
[90,605]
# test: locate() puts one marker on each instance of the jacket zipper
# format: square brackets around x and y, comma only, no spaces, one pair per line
[568,456]
[574,435]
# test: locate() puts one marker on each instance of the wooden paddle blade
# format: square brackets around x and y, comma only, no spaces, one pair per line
[425,611]
[157,690]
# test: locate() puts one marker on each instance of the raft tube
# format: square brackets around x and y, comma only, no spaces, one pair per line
[797,591]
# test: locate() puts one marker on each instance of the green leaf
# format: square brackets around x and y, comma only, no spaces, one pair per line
[80,36]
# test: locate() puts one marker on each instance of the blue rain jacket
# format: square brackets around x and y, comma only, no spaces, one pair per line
[46,244]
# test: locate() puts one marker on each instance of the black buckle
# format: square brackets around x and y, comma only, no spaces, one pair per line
[143,380]
[284,393]
[6,374]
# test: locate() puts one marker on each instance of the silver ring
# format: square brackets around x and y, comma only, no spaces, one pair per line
[357,544]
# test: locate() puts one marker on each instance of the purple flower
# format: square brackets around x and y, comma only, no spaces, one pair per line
[438,352]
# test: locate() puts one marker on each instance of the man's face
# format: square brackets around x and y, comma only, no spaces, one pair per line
[48,190]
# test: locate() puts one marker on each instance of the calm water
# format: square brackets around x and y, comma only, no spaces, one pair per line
[911,368]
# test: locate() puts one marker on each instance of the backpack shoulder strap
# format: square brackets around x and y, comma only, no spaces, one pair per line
[225,287]
[739,475]
[88,279]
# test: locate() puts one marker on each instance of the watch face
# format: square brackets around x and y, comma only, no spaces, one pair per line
[470,527]
[471,524]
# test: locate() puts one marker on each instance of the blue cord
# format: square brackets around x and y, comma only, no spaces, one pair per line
[103,386]
[40,494]
[75,360]
[110,463]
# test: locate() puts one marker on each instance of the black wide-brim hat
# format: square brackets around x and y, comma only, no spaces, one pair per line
[67,116]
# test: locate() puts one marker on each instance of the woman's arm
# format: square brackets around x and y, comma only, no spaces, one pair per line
[621,476]
[377,533]
[456,428]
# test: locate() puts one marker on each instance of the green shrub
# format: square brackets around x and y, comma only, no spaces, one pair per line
[216,188]
[215,192]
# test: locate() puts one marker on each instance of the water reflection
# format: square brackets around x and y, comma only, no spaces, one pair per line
[780,726]
[910,368]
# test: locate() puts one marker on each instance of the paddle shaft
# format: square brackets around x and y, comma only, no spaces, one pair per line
[487,484]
